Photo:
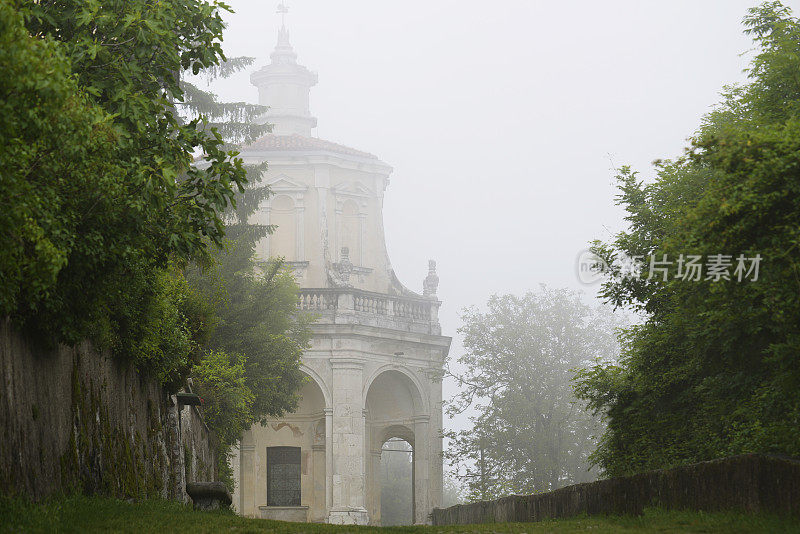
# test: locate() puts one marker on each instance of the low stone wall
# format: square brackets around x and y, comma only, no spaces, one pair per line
[74,419]
[749,483]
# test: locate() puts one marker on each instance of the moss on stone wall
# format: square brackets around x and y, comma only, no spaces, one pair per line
[107,458]
[76,420]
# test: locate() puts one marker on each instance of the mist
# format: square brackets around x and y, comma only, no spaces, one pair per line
[380,258]
[504,122]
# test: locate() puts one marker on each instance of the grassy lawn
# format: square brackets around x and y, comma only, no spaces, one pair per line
[86,514]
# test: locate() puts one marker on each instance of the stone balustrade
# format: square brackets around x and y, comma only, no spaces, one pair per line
[390,311]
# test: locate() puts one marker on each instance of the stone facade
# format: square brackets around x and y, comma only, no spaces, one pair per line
[375,364]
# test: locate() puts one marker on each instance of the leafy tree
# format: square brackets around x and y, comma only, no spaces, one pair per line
[529,433]
[713,370]
[250,364]
[452,492]
[101,193]
[250,368]
[54,165]
[121,179]
[227,400]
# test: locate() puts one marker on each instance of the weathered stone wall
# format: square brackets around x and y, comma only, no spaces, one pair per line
[73,419]
[199,455]
[749,483]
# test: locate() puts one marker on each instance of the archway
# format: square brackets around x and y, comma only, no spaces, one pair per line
[283,462]
[394,404]
[396,479]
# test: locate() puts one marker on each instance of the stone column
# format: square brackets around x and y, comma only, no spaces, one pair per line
[348,437]
[328,460]
[372,459]
[235,463]
[319,511]
[374,488]
[247,476]
[422,469]
[435,387]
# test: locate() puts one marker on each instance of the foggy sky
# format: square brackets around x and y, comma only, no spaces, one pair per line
[502,119]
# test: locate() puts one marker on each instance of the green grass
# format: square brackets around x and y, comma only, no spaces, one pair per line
[95,514]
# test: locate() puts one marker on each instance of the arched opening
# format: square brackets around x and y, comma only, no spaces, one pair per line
[283,241]
[283,462]
[393,407]
[397,483]
[312,400]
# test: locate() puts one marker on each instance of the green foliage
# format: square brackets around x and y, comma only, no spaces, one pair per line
[104,202]
[227,400]
[129,54]
[219,380]
[251,363]
[157,321]
[530,434]
[713,370]
[257,322]
[100,191]
[57,182]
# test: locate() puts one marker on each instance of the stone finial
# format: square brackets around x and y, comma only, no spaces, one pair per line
[431,282]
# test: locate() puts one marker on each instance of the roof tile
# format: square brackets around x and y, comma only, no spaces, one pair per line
[301,142]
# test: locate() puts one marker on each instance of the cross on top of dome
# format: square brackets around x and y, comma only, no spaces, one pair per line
[282,10]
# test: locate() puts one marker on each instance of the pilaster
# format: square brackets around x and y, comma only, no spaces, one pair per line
[348,506]
[422,468]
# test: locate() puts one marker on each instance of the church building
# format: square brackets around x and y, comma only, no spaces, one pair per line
[375,364]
